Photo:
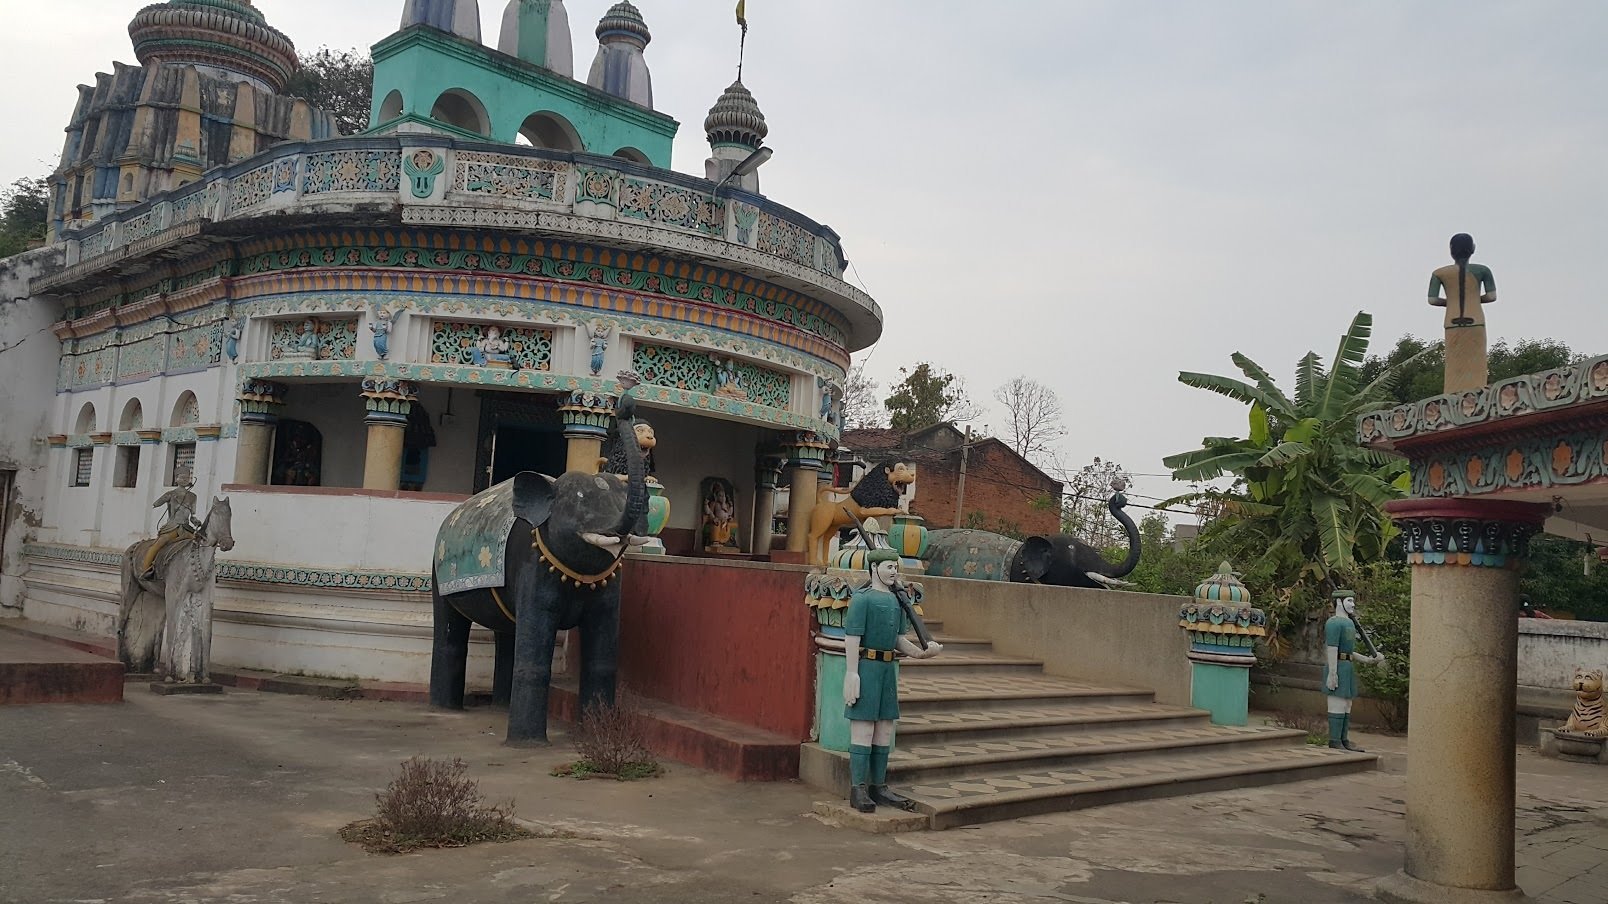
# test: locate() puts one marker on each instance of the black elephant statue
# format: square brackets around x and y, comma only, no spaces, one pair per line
[1060,560]
[527,558]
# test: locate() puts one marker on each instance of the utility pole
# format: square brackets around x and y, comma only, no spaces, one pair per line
[960,491]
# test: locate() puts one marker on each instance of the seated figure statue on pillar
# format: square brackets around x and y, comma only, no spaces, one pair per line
[1467,287]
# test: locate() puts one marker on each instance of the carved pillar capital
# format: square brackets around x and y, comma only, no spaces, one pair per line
[388,401]
[1485,533]
[587,414]
[260,401]
[804,449]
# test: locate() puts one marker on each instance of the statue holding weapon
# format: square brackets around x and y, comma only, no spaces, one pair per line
[1464,284]
[874,629]
[1340,635]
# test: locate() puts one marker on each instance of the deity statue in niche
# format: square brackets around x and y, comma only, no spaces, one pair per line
[231,339]
[304,345]
[719,515]
[381,328]
[491,350]
[829,402]
[729,382]
[597,337]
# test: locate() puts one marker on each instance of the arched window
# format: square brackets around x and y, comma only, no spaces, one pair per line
[633,155]
[86,419]
[391,108]
[550,130]
[462,110]
[133,417]
[186,410]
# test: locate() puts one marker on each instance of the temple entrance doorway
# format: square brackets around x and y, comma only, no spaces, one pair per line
[518,432]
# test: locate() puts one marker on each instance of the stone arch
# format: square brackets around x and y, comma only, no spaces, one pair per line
[186,411]
[633,155]
[546,129]
[391,107]
[86,419]
[461,109]
[133,417]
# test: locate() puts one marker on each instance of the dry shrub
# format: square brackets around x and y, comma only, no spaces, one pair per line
[433,803]
[611,743]
[1315,725]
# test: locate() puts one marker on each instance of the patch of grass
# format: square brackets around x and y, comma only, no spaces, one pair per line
[630,772]
[433,804]
[1316,726]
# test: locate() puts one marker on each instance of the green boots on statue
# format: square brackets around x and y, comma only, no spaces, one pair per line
[1340,733]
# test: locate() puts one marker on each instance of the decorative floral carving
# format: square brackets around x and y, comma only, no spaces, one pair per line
[352,171]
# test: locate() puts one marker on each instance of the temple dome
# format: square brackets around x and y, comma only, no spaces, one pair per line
[624,20]
[736,119]
[230,35]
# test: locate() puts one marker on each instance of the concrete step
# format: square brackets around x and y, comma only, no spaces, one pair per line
[986,722]
[927,691]
[914,761]
[987,796]
[969,663]
[969,646]
[35,670]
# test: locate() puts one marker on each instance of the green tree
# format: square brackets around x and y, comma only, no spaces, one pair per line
[1556,579]
[1084,511]
[24,214]
[1166,565]
[926,396]
[1425,376]
[1307,501]
[340,82]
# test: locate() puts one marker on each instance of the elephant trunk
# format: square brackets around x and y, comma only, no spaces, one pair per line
[636,500]
[1118,501]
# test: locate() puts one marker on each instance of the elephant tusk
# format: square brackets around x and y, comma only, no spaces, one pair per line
[1109,582]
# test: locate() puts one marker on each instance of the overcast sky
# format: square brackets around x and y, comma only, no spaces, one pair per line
[1098,194]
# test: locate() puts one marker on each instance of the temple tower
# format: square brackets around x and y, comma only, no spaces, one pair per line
[620,68]
[460,17]
[736,129]
[538,31]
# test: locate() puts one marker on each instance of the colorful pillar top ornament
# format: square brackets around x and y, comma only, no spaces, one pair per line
[1222,623]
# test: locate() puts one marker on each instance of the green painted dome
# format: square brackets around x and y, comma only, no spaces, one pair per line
[231,35]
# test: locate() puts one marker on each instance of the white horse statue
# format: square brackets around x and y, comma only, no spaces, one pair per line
[167,598]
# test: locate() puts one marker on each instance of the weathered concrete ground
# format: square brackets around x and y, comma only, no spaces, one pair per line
[237,799]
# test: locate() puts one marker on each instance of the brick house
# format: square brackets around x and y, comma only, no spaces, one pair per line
[1004,491]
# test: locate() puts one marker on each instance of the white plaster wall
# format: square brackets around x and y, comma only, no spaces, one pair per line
[726,450]
[452,461]
[1551,649]
[28,356]
[339,532]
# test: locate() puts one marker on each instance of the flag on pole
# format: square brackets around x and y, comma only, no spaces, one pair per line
[742,14]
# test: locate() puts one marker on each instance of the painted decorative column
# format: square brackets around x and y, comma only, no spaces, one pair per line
[1223,627]
[806,455]
[388,402]
[767,477]
[260,404]
[1460,741]
[587,418]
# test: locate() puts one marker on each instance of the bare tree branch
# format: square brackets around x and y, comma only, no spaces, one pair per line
[1035,418]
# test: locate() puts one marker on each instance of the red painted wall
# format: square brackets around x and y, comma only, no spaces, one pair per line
[728,639]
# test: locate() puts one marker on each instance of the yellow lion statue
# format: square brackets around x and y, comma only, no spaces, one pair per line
[875,495]
[1587,718]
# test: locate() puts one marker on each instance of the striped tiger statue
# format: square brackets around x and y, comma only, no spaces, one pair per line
[1588,717]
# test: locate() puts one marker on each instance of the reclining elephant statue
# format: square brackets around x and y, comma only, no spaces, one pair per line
[528,558]
[1057,559]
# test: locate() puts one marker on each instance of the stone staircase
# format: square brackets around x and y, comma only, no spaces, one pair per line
[985,737]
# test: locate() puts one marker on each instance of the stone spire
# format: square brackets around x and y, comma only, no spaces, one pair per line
[736,128]
[538,31]
[229,37]
[620,68]
[461,17]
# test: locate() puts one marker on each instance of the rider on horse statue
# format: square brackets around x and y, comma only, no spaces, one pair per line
[180,523]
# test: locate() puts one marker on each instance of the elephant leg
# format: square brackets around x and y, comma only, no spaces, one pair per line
[502,676]
[535,626]
[449,653]
[600,648]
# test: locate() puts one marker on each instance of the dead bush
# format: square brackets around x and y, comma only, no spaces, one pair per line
[433,803]
[611,743]
[1316,725]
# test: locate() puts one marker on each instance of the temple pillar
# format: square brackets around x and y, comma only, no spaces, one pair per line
[806,455]
[1460,741]
[260,403]
[389,402]
[587,418]
[767,477]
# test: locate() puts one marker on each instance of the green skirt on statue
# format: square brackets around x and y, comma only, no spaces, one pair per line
[879,693]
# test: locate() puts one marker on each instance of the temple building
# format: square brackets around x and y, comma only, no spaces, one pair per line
[350,335]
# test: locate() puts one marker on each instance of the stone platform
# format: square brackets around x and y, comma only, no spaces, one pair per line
[38,671]
[985,737]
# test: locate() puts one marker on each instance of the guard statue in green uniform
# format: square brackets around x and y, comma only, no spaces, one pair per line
[1340,673]
[874,627]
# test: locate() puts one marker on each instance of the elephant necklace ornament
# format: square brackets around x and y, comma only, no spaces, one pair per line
[591,582]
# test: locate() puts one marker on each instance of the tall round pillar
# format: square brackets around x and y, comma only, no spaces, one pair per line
[389,402]
[1460,740]
[806,456]
[260,404]
[587,418]
[767,477]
